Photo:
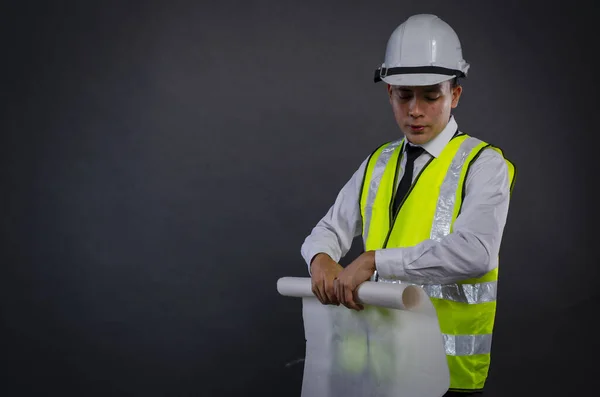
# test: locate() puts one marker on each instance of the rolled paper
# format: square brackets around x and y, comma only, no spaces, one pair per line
[392,348]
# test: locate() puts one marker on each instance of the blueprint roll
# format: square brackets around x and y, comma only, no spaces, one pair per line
[392,348]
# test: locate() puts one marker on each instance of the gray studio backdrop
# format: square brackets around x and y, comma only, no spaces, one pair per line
[162,163]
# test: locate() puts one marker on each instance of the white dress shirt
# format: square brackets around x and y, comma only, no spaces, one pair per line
[471,250]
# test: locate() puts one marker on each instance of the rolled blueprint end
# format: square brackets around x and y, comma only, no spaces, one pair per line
[389,295]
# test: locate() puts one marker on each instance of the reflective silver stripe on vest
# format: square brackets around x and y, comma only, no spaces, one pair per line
[462,293]
[467,345]
[442,220]
[378,170]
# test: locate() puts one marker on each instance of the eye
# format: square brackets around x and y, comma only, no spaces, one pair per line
[431,98]
[404,95]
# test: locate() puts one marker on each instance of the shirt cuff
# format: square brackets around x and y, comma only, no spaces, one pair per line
[309,255]
[390,263]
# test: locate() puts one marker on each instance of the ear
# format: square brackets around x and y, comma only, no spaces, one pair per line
[456,92]
[389,91]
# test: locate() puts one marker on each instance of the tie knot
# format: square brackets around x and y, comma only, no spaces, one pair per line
[413,151]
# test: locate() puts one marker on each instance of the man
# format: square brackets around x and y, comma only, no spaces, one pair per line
[431,207]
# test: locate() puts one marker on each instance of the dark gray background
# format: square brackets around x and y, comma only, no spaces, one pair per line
[162,164]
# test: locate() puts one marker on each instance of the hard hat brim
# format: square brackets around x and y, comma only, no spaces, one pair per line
[414,80]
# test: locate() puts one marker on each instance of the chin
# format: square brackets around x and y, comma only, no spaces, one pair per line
[418,139]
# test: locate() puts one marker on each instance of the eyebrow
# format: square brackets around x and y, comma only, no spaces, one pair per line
[435,88]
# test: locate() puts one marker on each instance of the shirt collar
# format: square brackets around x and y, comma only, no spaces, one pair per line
[435,146]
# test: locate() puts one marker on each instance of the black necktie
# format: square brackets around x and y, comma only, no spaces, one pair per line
[412,152]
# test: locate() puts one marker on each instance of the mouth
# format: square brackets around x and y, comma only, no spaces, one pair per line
[417,127]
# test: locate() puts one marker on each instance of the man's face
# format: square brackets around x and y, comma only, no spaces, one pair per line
[423,112]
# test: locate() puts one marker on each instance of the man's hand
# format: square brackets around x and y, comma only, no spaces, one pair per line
[323,271]
[346,283]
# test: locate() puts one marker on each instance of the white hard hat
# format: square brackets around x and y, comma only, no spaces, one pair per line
[423,50]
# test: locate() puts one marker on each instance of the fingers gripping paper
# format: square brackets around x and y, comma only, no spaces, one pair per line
[392,348]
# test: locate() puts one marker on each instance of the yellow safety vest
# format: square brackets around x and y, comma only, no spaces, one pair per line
[466,310]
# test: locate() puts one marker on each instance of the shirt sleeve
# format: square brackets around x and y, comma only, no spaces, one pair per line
[471,250]
[334,233]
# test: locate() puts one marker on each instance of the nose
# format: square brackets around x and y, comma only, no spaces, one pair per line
[415,108]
